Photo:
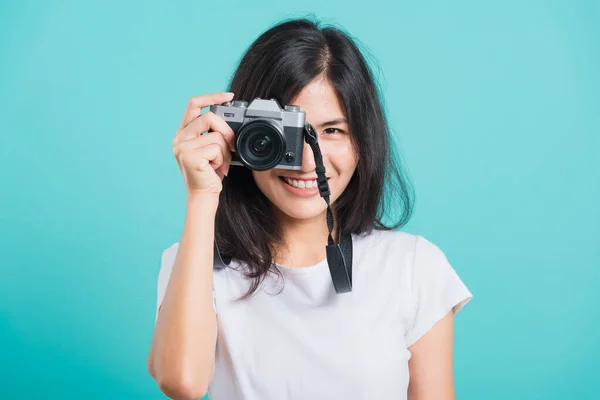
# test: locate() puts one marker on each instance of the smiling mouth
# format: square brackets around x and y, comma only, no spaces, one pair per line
[300,183]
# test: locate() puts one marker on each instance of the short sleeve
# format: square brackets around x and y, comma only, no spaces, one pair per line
[166,266]
[436,289]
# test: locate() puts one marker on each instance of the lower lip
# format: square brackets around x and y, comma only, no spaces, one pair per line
[300,192]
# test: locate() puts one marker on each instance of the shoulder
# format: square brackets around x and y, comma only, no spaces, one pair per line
[425,246]
[429,258]
[414,254]
[386,239]
[394,241]
[391,252]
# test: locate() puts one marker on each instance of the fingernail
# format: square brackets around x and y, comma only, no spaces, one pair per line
[228,94]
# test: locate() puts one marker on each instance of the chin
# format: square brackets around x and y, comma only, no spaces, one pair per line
[303,209]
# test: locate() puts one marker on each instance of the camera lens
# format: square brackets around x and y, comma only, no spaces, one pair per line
[260,144]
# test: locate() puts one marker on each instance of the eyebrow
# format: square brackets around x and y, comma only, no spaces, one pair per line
[333,122]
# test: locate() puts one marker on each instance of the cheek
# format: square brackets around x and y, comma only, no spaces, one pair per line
[342,156]
[261,178]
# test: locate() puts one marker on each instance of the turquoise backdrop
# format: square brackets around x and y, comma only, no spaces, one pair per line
[496,107]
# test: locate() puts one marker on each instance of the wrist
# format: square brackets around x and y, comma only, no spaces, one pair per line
[203,200]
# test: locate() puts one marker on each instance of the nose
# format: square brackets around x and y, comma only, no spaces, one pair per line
[308,159]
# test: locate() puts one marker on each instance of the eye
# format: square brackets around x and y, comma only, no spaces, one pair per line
[331,131]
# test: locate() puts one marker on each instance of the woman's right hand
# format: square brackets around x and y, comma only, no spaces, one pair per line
[204,158]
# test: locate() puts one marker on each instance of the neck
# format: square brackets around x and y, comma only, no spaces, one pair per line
[303,241]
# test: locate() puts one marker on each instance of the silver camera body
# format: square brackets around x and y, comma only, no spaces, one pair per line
[266,136]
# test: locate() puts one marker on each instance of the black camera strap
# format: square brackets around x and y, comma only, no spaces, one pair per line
[339,256]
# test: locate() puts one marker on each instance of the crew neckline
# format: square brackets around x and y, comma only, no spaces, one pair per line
[303,270]
[311,268]
[319,266]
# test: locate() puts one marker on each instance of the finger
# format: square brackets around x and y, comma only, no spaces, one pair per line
[197,103]
[211,153]
[216,159]
[202,158]
[204,140]
[207,122]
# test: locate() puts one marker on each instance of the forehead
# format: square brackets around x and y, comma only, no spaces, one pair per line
[320,102]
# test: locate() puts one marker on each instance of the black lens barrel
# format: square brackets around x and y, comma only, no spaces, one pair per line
[260,144]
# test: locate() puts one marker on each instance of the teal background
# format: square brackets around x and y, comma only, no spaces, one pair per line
[496,107]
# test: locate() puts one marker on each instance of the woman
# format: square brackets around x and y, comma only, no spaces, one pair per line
[270,325]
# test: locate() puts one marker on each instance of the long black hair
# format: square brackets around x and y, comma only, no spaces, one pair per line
[279,64]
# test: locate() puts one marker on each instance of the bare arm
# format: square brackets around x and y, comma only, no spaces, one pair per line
[182,355]
[431,375]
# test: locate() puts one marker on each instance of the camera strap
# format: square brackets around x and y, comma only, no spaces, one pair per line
[339,256]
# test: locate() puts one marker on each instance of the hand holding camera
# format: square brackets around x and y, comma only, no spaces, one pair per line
[265,136]
[204,158]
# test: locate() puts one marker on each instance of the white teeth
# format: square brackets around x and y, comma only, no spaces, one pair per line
[301,184]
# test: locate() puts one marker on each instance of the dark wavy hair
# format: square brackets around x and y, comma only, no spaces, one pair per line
[279,64]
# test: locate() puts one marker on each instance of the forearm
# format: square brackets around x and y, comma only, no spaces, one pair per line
[183,348]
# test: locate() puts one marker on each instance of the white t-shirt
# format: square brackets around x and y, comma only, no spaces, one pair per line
[308,342]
